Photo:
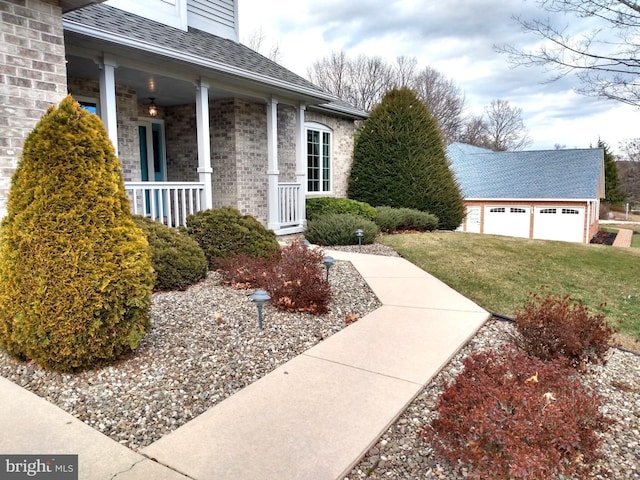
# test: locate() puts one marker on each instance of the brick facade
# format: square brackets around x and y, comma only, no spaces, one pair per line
[32,75]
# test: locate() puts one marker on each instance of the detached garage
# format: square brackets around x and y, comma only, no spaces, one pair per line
[546,194]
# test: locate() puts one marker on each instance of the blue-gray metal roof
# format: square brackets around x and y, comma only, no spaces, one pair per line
[541,174]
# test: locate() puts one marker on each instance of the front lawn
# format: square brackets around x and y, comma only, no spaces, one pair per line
[499,272]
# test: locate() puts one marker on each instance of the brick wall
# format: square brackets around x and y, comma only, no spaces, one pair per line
[182,143]
[341,149]
[32,75]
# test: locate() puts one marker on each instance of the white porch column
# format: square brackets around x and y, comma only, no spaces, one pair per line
[301,163]
[108,98]
[273,222]
[204,142]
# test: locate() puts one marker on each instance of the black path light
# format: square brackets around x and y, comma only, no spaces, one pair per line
[359,234]
[260,297]
[328,263]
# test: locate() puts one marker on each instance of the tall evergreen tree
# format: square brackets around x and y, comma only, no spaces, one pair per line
[613,191]
[400,161]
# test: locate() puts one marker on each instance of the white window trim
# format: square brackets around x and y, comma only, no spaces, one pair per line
[82,99]
[314,126]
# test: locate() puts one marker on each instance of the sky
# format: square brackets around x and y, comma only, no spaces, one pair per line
[457,38]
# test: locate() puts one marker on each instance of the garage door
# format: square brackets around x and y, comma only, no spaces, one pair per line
[513,221]
[558,223]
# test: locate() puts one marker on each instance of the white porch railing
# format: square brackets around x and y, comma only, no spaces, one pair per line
[289,208]
[166,202]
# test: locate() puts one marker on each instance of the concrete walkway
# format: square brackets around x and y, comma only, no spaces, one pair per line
[623,238]
[312,418]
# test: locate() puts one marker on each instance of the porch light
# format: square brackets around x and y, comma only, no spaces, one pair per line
[153,108]
[359,234]
[260,297]
[328,263]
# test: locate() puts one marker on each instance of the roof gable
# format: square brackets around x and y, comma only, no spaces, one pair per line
[541,174]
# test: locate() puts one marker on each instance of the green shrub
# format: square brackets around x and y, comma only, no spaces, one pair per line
[75,272]
[225,232]
[512,416]
[556,326]
[340,229]
[394,219]
[176,257]
[399,160]
[325,205]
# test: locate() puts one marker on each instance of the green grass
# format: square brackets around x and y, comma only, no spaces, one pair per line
[499,272]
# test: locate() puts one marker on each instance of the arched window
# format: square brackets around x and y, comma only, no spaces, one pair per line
[318,158]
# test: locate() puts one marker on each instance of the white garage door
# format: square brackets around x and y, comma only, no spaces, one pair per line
[558,223]
[513,221]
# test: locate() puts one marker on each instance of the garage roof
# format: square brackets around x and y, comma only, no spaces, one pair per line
[535,174]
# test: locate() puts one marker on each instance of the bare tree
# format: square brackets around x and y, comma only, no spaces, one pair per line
[256,41]
[443,98]
[363,81]
[474,132]
[505,128]
[606,60]
[630,149]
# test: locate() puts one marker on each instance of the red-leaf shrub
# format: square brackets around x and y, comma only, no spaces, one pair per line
[510,415]
[297,282]
[557,326]
[244,272]
[294,279]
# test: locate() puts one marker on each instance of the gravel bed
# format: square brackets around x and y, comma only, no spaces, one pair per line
[400,454]
[205,345]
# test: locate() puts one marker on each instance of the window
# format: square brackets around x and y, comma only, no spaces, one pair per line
[318,158]
[91,105]
[548,210]
[497,210]
[518,210]
[570,211]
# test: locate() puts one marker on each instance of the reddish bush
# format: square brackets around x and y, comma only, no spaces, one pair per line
[509,415]
[294,279]
[556,326]
[297,282]
[244,271]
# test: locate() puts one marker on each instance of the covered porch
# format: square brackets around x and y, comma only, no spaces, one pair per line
[191,139]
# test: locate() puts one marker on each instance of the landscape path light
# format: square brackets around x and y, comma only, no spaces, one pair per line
[260,297]
[359,234]
[328,263]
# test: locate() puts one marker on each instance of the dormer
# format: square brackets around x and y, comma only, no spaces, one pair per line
[218,17]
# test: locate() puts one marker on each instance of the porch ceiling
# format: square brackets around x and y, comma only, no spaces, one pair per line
[166,90]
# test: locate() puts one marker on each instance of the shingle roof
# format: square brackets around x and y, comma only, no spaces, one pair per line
[199,45]
[542,174]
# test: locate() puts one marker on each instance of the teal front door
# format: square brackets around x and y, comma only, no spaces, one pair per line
[152,162]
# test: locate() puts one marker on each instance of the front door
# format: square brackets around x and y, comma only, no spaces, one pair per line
[152,160]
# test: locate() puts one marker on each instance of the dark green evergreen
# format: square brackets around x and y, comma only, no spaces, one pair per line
[613,191]
[400,161]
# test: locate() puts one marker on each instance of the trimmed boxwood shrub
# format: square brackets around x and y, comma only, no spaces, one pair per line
[176,257]
[340,229]
[225,232]
[510,415]
[75,272]
[325,205]
[393,219]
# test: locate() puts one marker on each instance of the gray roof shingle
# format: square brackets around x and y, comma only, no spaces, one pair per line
[199,44]
[542,174]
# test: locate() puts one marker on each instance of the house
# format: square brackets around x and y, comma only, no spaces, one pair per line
[546,195]
[197,119]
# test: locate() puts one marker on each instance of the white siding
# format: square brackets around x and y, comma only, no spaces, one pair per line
[218,17]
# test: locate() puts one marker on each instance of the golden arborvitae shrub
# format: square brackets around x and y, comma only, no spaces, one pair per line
[75,271]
